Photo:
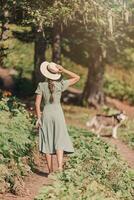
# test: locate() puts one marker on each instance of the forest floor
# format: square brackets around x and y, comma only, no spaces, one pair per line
[35,181]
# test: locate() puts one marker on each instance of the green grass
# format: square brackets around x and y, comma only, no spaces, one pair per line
[21,54]
[121,89]
[95,171]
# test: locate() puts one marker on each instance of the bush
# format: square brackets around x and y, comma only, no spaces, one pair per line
[16,141]
[95,171]
[118,89]
[126,133]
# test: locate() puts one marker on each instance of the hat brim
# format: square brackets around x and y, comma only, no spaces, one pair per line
[46,73]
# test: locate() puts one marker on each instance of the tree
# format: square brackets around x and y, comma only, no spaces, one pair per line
[41,15]
[4,15]
[56,44]
[98,27]
[48,14]
[39,53]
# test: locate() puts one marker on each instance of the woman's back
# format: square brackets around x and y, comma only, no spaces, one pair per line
[58,88]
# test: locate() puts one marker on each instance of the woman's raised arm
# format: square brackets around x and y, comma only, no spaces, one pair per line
[73,77]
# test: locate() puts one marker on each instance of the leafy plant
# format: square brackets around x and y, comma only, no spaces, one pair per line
[126,133]
[118,89]
[95,171]
[17,141]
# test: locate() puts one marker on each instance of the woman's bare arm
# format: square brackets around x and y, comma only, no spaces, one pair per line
[37,105]
[73,77]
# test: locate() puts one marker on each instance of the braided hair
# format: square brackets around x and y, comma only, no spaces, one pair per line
[51,89]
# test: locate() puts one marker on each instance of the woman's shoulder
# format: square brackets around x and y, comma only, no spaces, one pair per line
[40,88]
[64,83]
[42,83]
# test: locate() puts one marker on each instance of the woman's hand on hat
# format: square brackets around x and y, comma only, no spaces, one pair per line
[60,68]
[38,123]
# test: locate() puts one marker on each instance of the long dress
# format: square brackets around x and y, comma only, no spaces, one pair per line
[53,133]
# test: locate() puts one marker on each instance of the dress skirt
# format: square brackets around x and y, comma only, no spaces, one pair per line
[53,133]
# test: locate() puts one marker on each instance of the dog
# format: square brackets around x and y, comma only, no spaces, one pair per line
[101,121]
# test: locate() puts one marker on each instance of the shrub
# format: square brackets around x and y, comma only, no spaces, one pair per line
[16,141]
[118,89]
[95,171]
[126,133]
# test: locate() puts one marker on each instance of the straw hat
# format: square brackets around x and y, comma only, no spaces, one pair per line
[50,70]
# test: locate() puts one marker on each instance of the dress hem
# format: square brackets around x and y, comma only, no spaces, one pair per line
[53,153]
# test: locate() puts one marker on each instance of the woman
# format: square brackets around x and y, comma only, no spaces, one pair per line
[53,135]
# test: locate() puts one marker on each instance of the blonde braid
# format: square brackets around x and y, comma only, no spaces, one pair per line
[51,89]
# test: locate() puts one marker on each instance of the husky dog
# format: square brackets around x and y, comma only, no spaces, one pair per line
[99,122]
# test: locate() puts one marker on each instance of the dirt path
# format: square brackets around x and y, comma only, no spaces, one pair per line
[33,183]
[126,153]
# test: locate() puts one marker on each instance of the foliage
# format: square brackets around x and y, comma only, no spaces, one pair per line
[21,52]
[16,141]
[94,39]
[94,171]
[126,133]
[128,55]
[98,24]
[118,89]
[47,13]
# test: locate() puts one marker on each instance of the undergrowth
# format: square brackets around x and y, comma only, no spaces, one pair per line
[16,143]
[94,172]
[119,89]
[126,133]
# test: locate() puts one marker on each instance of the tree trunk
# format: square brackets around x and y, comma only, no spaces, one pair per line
[4,30]
[39,55]
[93,90]
[56,45]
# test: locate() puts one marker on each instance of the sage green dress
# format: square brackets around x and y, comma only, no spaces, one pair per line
[53,132]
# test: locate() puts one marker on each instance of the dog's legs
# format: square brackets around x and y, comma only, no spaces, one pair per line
[114,132]
[99,130]
[91,123]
